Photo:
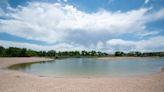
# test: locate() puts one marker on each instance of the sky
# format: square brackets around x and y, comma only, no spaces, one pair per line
[66,25]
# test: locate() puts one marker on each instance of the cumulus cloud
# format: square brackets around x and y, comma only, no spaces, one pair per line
[63,23]
[57,47]
[151,44]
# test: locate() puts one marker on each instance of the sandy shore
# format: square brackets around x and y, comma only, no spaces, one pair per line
[14,81]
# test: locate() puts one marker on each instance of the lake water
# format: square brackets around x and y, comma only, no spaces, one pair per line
[88,67]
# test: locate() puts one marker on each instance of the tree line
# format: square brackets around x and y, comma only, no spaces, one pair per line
[139,54]
[23,52]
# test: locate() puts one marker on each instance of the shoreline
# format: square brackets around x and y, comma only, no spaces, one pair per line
[101,58]
[115,58]
[16,81]
[20,60]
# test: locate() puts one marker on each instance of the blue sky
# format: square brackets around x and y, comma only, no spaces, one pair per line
[102,25]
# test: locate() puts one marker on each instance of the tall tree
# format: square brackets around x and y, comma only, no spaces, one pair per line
[2,51]
[51,53]
[119,53]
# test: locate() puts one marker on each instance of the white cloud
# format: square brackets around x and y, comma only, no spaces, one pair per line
[58,47]
[63,23]
[116,42]
[55,22]
[152,44]
[122,45]
[146,1]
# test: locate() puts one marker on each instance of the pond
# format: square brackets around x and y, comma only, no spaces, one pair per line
[88,67]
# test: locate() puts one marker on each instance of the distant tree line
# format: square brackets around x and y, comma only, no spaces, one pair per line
[23,52]
[139,54]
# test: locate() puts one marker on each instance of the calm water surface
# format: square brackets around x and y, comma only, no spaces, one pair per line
[93,67]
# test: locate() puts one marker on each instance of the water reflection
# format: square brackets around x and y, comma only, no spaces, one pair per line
[92,67]
[25,66]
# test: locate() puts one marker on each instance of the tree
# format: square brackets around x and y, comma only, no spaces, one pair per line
[23,52]
[119,53]
[2,51]
[59,53]
[93,53]
[51,53]
[77,53]
[31,53]
[133,53]
[13,51]
[83,53]
[138,53]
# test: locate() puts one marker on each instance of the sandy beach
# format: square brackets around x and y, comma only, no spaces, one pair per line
[15,81]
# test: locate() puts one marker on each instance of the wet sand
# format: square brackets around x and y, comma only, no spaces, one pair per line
[15,81]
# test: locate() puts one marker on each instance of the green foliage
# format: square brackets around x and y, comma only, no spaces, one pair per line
[134,53]
[23,52]
[93,53]
[2,51]
[139,54]
[119,53]
[51,53]
[13,51]
[30,53]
